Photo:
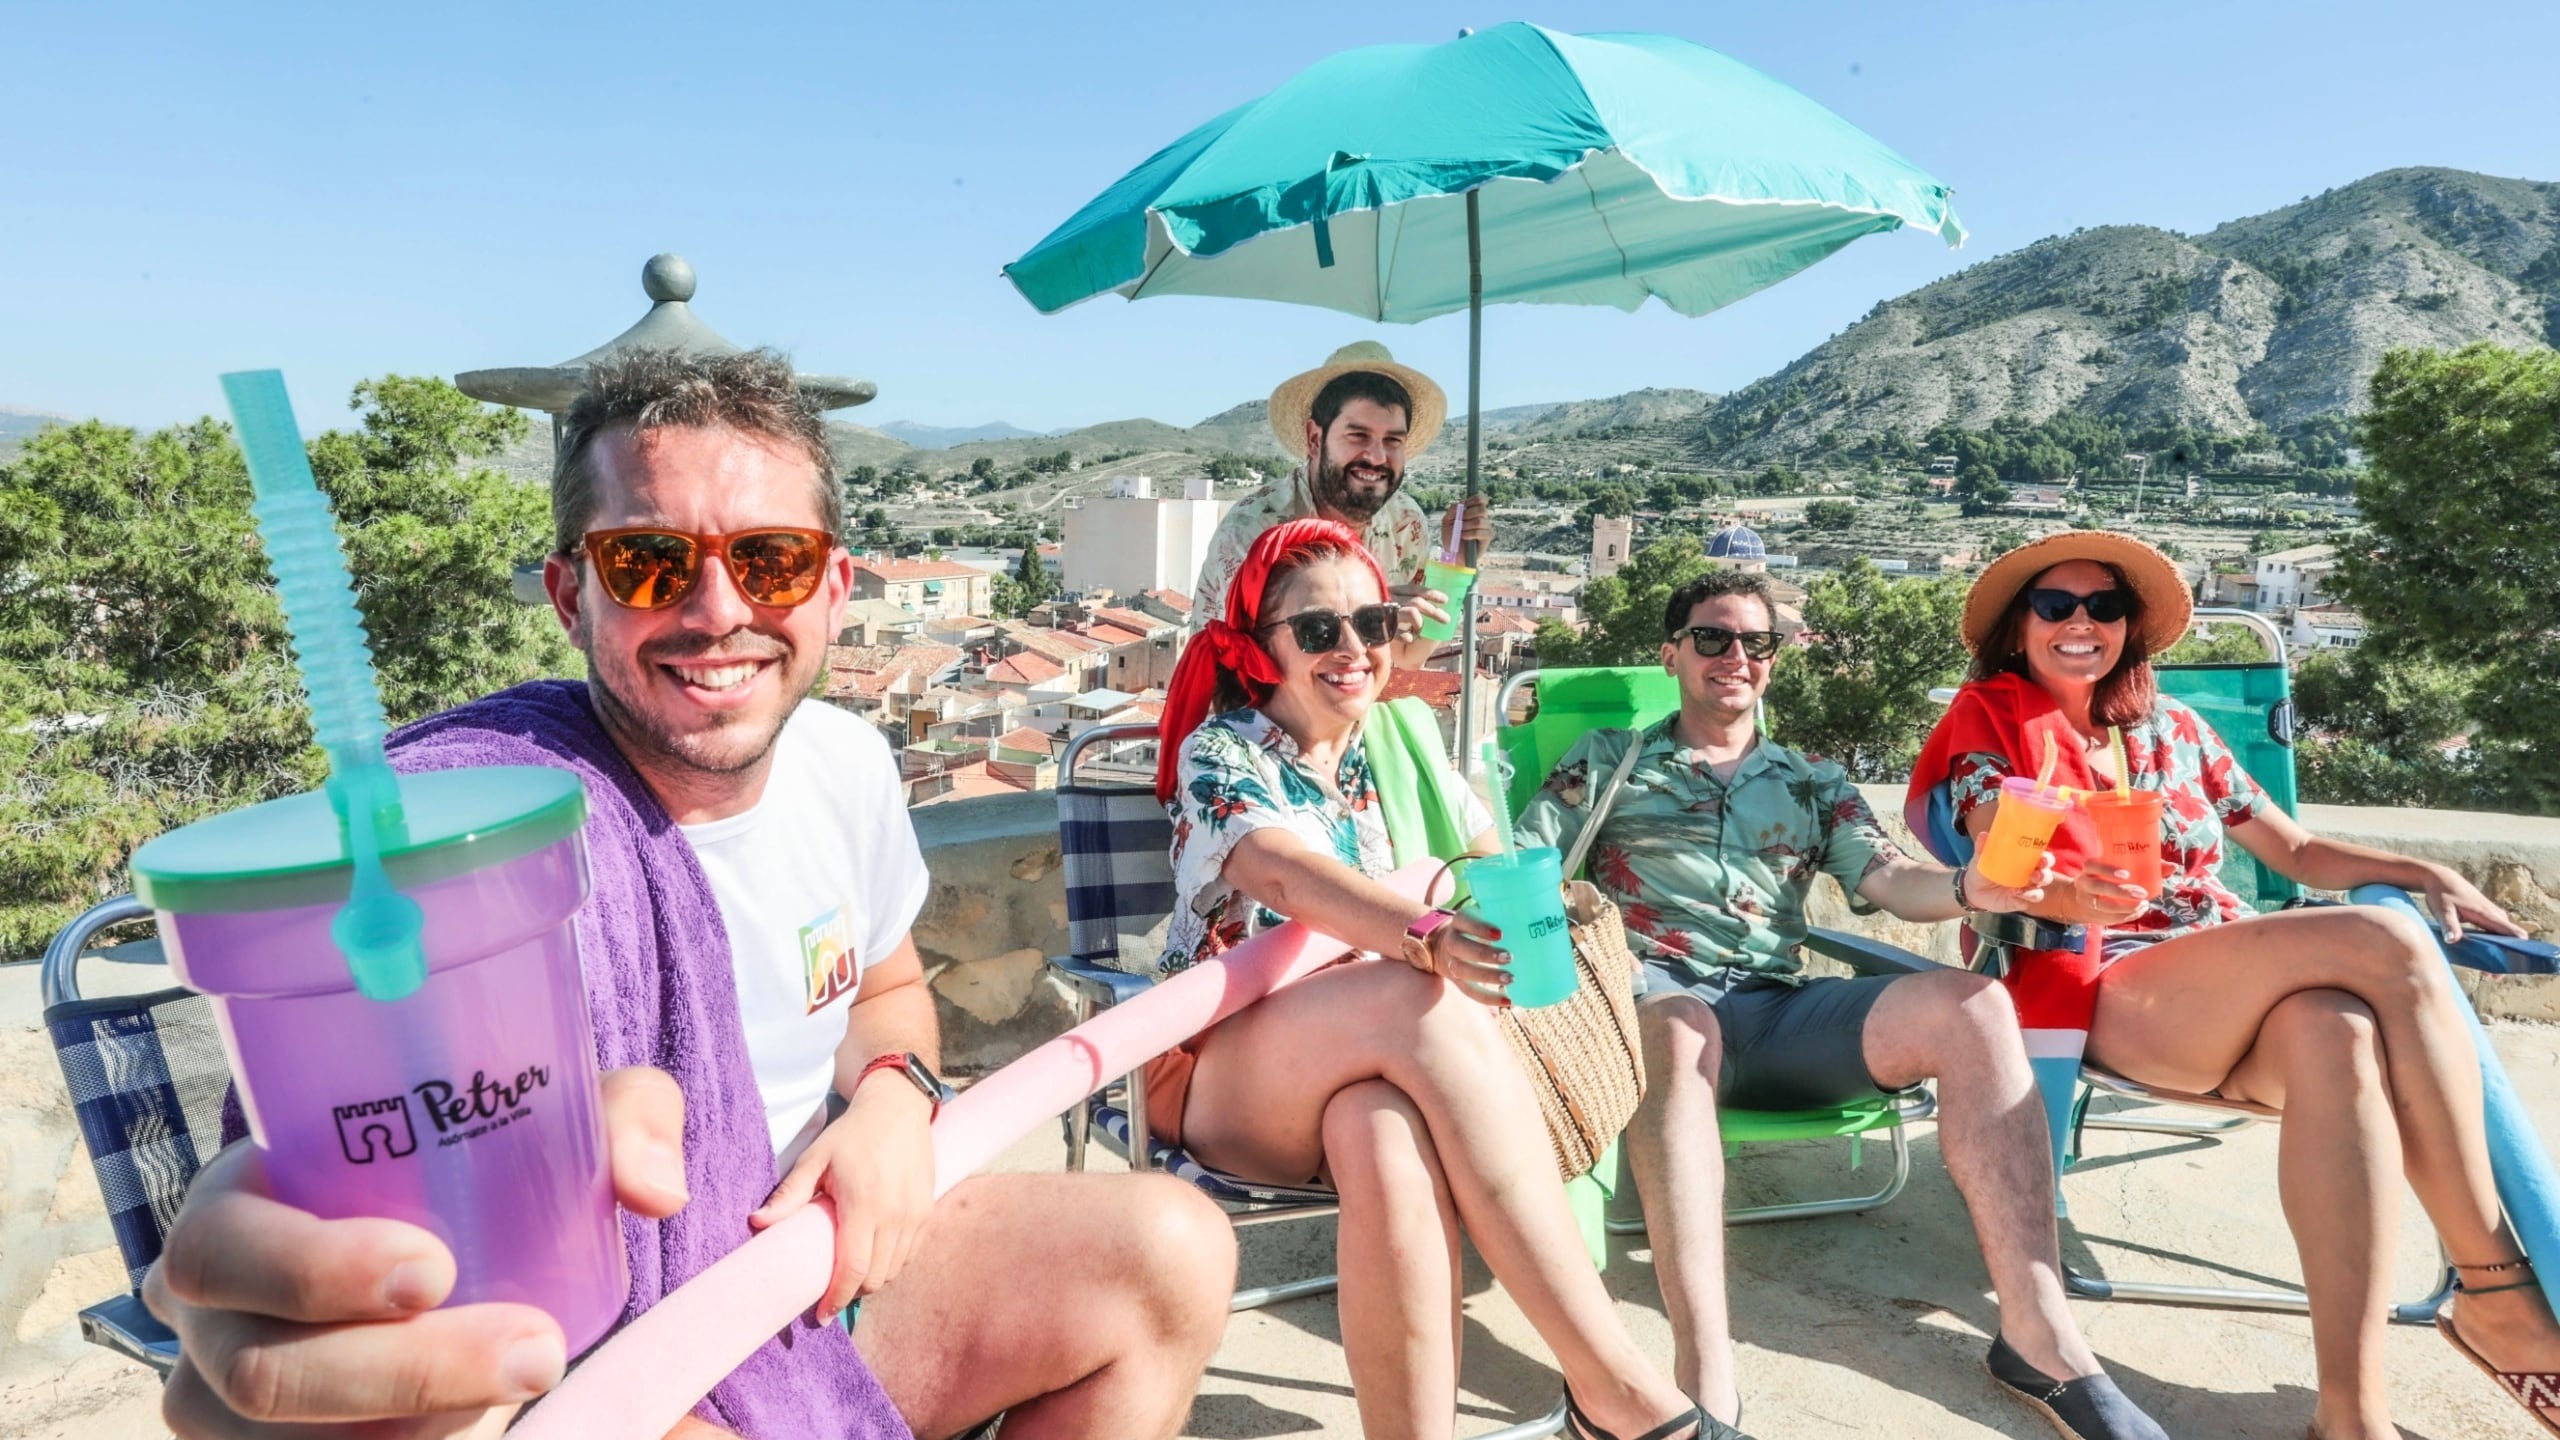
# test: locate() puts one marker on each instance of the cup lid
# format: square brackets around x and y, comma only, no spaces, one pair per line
[289,853]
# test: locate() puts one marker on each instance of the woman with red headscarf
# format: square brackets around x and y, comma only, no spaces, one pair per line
[1384,1076]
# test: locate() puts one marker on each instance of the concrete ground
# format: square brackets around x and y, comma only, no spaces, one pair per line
[1863,1325]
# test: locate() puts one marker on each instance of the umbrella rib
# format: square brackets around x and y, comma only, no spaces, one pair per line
[1139,290]
[1386,272]
[1582,172]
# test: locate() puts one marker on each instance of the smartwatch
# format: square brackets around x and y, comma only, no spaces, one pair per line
[917,1073]
[1417,938]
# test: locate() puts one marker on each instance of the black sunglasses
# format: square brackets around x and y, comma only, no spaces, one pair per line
[1319,631]
[1711,641]
[2055,606]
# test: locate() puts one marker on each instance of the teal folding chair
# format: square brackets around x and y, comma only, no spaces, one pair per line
[1571,702]
[2250,705]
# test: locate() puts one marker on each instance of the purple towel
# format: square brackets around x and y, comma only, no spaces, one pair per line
[661,992]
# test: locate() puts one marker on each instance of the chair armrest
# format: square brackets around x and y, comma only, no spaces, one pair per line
[124,1326]
[1100,982]
[1867,957]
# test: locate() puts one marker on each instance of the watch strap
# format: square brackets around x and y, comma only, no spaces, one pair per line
[912,1068]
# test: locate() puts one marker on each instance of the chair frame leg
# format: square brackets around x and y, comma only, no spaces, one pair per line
[2422,1311]
[1898,1132]
[1551,1423]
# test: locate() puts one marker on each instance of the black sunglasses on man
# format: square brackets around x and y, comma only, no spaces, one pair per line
[1711,641]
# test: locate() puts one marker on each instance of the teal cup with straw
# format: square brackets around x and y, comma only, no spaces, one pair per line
[392,961]
[1520,892]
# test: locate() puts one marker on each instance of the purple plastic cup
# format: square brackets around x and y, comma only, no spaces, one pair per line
[468,1108]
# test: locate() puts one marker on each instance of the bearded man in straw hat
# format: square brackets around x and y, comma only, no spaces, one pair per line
[1358,418]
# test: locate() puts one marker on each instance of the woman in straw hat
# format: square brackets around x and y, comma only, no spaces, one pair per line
[1384,1076]
[2343,1018]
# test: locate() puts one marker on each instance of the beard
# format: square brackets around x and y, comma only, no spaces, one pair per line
[696,748]
[1356,492]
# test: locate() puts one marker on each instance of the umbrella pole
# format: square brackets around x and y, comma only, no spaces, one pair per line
[1475,485]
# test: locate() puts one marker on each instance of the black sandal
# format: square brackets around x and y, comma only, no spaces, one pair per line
[2089,1408]
[2535,1390]
[1706,1426]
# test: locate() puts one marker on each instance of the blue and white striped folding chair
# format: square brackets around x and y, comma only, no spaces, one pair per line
[147,1076]
[1115,847]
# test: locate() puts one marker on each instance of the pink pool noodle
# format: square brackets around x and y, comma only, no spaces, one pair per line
[640,1382]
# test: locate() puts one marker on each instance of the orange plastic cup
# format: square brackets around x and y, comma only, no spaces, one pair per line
[2020,830]
[2129,833]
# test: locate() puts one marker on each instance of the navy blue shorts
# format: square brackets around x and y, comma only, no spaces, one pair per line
[1786,1047]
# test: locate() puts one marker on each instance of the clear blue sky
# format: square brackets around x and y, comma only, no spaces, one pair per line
[346,190]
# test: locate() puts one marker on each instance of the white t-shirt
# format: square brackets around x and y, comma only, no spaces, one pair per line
[816,884]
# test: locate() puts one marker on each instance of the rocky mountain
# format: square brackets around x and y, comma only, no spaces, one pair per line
[2266,322]
[943,437]
[1635,409]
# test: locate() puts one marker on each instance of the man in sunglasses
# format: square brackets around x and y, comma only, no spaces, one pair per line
[758,1000]
[1358,418]
[1709,847]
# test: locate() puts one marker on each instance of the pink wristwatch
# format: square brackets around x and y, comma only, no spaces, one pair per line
[1417,938]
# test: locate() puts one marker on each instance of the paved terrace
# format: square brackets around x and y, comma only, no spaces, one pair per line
[1865,1325]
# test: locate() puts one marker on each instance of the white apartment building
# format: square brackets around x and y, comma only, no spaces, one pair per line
[931,589]
[1130,540]
[2292,578]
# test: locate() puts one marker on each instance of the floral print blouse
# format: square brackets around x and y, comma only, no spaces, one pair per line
[1240,773]
[2203,793]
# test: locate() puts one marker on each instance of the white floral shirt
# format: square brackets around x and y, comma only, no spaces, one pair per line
[1241,773]
[1398,535]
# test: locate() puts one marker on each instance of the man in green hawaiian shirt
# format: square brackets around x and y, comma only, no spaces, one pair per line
[1710,850]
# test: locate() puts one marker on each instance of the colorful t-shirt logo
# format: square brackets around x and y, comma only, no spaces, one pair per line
[826,957]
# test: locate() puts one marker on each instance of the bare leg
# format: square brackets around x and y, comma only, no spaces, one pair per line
[1398,1255]
[2319,1060]
[1678,1157]
[1266,1077]
[2185,1013]
[1086,1305]
[1962,1029]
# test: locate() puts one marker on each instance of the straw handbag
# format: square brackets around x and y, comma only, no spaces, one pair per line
[1582,1055]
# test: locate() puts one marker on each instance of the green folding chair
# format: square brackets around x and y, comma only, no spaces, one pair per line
[1570,702]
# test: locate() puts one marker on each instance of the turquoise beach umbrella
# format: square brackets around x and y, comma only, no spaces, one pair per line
[1400,182]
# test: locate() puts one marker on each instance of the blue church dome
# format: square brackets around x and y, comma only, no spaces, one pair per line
[1736,542]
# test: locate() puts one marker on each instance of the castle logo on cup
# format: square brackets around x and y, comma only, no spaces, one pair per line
[371,1130]
[1546,925]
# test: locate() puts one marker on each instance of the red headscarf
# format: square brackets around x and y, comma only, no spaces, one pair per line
[1228,644]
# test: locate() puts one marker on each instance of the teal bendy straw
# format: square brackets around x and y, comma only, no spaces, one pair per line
[378,928]
[1496,771]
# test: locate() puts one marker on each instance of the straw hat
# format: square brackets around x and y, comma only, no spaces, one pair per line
[2166,605]
[1296,398]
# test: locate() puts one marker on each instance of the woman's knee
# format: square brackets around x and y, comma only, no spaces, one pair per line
[1376,1144]
[2331,1032]
[2398,955]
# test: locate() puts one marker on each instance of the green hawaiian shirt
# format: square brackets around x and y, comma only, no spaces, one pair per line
[1712,875]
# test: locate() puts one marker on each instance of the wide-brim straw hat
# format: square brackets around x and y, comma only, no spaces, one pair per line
[1295,400]
[2166,604]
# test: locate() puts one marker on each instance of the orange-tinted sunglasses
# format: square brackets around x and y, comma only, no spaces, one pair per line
[648,567]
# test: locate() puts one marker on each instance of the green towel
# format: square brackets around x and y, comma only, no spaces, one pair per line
[1411,766]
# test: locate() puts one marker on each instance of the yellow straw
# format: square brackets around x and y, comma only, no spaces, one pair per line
[2051,758]
[2124,777]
